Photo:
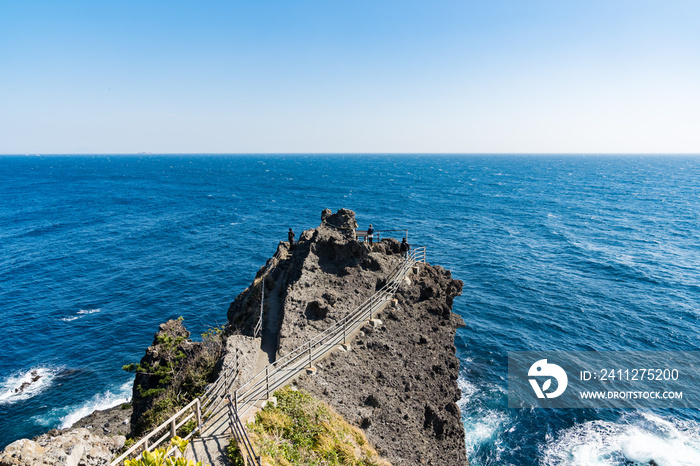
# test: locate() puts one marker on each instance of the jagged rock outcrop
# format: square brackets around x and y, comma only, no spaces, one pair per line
[77,447]
[173,372]
[327,275]
[399,381]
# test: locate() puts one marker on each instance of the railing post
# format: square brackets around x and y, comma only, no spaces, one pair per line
[199,414]
[225,383]
[238,361]
[310,362]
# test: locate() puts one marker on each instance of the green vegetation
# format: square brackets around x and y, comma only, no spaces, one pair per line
[187,427]
[130,441]
[157,457]
[180,373]
[233,453]
[304,431]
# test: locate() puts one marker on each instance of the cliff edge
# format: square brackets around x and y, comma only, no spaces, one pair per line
[398,381]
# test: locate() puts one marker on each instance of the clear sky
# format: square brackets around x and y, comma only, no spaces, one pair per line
[349,76]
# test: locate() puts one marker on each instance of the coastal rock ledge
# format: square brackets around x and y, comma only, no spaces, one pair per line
[78,447]
[398,381]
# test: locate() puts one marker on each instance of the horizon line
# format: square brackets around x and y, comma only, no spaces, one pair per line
[339,153]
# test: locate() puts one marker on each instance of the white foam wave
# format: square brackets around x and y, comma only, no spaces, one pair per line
[468,391]
[98,402]
[640,439]
[79,314]
[481,425]
[484,427]
[26,384]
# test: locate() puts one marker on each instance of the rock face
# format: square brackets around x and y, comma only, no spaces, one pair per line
[399,380]
[172,338]
[76,447]
[173,372]
[328,274]
[108,422]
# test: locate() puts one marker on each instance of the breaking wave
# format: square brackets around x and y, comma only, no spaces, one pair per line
[482,423]
[98,402]
[26,384]
[637,439]
[66,416]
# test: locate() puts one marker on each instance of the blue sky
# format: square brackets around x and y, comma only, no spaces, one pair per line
[349,76]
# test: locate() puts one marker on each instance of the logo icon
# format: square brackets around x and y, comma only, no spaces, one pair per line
[542,368]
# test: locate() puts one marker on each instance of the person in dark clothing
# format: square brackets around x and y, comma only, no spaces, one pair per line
[370,233]
[405,247]
[290,235]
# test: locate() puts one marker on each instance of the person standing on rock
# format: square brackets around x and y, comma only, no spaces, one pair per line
[370,233]
[290,235]
[405,247]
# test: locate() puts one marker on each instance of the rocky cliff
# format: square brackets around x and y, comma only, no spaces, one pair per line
[399,380]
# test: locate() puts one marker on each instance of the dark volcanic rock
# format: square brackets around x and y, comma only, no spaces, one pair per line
[399,381]
[157,355]
[244,311]
[400,384]
[112,421]
[172,363]
[328,274]
[343,219]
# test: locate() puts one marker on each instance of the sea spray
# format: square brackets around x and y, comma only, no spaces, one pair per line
[26,384]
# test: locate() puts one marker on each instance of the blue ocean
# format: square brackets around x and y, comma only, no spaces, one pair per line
[556,253]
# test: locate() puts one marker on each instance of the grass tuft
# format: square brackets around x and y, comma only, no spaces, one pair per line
[304,431]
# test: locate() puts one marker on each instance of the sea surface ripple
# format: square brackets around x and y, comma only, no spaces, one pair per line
[556,253]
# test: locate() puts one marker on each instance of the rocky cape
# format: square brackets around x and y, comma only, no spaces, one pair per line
[397,382]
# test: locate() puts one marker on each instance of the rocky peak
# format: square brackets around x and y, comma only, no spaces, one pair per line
[173,370]
[398,382]
[343,219]
[300,286]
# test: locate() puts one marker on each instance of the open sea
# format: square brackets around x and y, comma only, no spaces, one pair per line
[556,253]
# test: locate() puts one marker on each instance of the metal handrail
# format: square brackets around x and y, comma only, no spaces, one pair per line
[241,436]
[257,331]
[283,369]
[278,373]
[194,405]
[199,405]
